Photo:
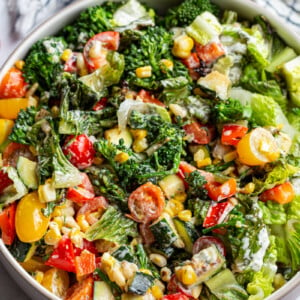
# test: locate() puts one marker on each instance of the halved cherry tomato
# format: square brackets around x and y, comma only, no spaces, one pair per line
[7,224]
[210,52]
[146,203]
[71,64]
[281,193]
[100,104]
[185,169]
[79,150]
[146,233]
[83,192]
[204,242]
[63,256]
[175,286]
[82,290]
[232,134]
[93,205]
[148,98]
[109,40]
[177,296]
[192,62]
[201,134]
[13,84]
[85,263]
[219,191]
[217,213]
[5,181]
[12,152]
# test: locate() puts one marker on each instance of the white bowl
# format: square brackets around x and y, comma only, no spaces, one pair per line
[245,8]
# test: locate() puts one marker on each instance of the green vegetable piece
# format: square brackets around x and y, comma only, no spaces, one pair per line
[292,230]
[102,291]
[140,283]
[22,251]
[124,253]
[273,213]
[27,170]
[113,227]
[282,57]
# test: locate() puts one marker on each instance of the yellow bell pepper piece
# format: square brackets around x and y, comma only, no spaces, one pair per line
[5,129]
[10,108]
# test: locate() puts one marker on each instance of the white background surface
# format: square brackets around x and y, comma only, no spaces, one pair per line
[9,290]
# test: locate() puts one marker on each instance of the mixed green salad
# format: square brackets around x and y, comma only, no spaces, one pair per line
[154,157]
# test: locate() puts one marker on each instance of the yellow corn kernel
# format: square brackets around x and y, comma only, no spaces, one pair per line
[20,64]
[180,197]
[166,64]
[140,145]
[248,188]
[183,46]
[76,237]
[82,222]
[138,133]
[59,221]
[173,207]
[146,271]
[156,292]
[52,237]
[144,72]
[204,162]
[107,261]
[185,215]
[38,276]
[186,275]
[121,157]
[66,54]
[98,161]
[230,156]
[158,259]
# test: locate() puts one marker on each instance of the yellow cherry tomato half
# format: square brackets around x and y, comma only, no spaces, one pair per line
[258,147]
[56,281]
[30,222]
[5,129]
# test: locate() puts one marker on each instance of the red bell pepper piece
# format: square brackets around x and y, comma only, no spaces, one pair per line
[232,133]
[85,263]
[7,224]
[219,191]
[5,181]
[100,104]
[148,98]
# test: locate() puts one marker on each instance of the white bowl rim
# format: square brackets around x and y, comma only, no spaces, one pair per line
[284,30]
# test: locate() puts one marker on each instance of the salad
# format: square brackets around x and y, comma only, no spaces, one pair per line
[147,157]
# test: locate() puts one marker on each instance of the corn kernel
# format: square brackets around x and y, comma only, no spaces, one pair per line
[53,236]
[76,237]
[138,133]
[59,221]
[144,72]
[180,197]
[82,222]
[121,157]
[93,217]
[204,162]
[248,188]
[66,54]
[186,275]
[173,207]
[185,215]
[183,46]
[166,64]
[230,156]
[98,161]
[156,292]
[20,64]
[158,260]
[146,271]
[38,276]
[81,66]
[140,145]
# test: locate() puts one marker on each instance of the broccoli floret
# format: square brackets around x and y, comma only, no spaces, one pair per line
[155,45]
[112,227]
[43,64]
[231,110]
[187,11]
[196,184]
[90,22]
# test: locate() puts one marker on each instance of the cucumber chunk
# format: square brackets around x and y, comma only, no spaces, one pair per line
[102,291]
[114,136]
[27,171]
[140,283]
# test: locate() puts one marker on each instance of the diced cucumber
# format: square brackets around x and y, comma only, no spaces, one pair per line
[187,232]
[140,283]
[102,291]
[224,286]
[124,253]
[22,252]
[15,191]
[27,171]
[282,57]
[114,136]
[172,185]
[163,232]
[166,251]
[207,263]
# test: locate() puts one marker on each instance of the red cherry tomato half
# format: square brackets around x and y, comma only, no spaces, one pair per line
[13,84]
[204,242]
[93,205]
[146,203]
[192,62]
[5,181]
[232,133]
[177,296]
[201,134]
[79,150]
[282,193]
[63,256]
[7,224]
[148,98]
[100,104]
[210,52]
[217,191]
[109,40]
[174,286]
